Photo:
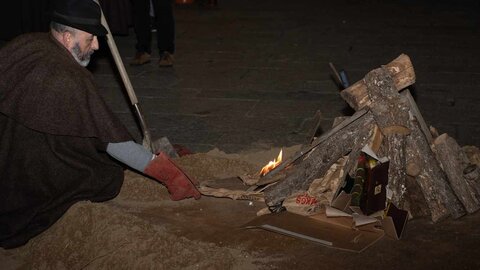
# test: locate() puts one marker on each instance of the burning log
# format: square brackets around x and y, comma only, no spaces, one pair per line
[350,138]
[440,184]
[272,164]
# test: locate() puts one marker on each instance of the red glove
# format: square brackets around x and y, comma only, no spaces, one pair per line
[178,183]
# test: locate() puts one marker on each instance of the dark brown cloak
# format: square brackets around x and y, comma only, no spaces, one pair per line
[54,128]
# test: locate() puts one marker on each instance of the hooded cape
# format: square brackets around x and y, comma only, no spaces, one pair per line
[54,128]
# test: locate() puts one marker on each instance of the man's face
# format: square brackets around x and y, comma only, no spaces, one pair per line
[82,46]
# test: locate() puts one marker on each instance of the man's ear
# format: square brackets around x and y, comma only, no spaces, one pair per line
[67,38]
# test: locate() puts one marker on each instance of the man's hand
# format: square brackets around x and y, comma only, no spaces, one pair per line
[179,184]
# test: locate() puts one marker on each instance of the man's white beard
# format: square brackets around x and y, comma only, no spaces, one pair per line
[77,54]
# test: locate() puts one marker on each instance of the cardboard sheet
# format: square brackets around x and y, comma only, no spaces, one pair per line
[330,232]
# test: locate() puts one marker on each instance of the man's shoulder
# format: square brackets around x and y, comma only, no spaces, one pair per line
[30,49]
[47,59]
[28,38]
[40,62]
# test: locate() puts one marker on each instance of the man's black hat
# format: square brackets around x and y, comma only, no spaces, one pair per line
[80,14]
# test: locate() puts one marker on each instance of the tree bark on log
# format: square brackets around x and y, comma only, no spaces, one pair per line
[400,69]
[396,169]
[414,201]
[416,112]
[472,172]
[391,113]
[416,177]
[316,163]
[472,175]
[454,162]
[438,194]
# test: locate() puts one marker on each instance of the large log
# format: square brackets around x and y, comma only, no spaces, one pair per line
[472,175]
[416,178]
[454,162]
[316,163]
[416,112]
[472,172]
[319,140]
[379,92]
[414,201]
[391,113]
[400,69]
[433,182]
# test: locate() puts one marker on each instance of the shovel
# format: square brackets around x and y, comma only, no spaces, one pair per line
[161,144]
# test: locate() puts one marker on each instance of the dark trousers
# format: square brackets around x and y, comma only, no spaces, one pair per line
[164,22]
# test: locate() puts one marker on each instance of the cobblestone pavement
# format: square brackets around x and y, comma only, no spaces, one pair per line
[253,73]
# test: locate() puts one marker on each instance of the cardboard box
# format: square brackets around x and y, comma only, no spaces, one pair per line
[394,221]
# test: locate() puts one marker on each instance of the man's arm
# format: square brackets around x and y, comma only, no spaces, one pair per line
[159,166]
[131,154]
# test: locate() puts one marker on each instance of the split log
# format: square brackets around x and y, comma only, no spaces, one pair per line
[473,154]
[433,182]
[400,69]
[454,162]
[472,174]
[316,163]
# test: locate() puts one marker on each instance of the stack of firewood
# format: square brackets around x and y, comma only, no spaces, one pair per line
[429,174]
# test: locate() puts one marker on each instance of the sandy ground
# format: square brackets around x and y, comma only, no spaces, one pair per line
[142,229]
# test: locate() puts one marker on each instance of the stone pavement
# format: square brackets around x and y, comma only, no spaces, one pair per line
[252,74]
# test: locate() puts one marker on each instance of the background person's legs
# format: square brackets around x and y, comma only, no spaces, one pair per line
[165,22]
[141,25]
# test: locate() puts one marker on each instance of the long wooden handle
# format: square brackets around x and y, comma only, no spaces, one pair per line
[119,63]
[147,140]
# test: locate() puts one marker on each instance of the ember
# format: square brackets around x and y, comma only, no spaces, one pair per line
[271,164]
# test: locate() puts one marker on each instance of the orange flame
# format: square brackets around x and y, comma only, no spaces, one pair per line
[271,164]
